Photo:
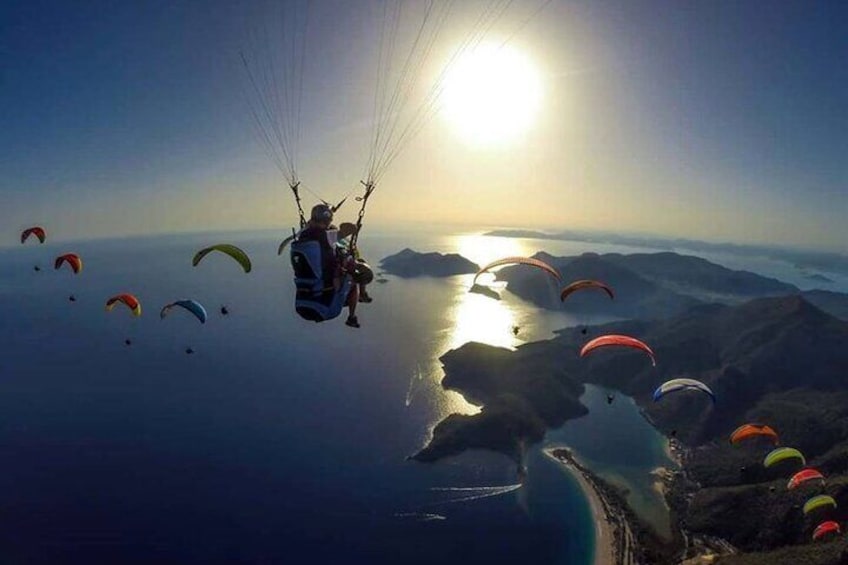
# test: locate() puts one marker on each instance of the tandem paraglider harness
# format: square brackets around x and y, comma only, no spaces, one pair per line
[315,299]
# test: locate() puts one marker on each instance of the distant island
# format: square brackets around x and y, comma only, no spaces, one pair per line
[408,263]
[827,261]
[779,360]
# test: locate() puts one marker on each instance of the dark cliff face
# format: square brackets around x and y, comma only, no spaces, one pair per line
[743,352]
[522,396]
[409,263]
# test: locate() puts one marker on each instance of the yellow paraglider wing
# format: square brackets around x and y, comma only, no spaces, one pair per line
[228,249]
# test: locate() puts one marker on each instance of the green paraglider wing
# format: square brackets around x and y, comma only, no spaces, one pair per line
[819,501]
[228,249]
[782,454]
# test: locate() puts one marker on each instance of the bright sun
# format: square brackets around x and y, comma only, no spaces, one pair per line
[491,94]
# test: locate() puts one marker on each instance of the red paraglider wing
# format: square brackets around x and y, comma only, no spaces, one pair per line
[825,528]
[129,300]
[71,259]
[520,261]
[579,285]
[619,340]
[803,476]
[37,231]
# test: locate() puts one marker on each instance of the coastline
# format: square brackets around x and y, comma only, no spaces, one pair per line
[602,514]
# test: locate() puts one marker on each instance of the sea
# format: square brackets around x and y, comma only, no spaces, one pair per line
[278,440]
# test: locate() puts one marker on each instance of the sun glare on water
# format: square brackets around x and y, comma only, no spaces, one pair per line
[492,94]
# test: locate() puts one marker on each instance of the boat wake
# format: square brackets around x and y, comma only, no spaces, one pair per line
[473,493]
[416,377]
[420,516]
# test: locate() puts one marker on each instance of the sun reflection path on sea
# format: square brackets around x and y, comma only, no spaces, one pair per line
[473,317]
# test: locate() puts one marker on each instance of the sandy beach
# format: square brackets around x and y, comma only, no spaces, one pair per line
[604,534]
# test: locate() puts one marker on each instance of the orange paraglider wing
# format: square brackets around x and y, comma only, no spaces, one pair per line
[747,431]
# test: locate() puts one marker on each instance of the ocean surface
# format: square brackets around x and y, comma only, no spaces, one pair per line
[277,437]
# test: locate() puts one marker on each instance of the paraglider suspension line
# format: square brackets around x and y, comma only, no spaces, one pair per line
[369,188]
[294,188]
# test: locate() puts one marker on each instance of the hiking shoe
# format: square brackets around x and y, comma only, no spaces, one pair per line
[352,321]
[365,298]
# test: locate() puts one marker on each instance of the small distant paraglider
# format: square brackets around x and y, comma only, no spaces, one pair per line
[192,306]
[225,311]
[71,259]
[189,350]
[676,385]
[37,231]
[820,501]
[227,249]
[72,298]
[127,300]
[519,261]
[803,476]
[783,454]
[750,431]
[610,398]
[580,285]
[825,528]
[37,269]
[127,341]
[617,340]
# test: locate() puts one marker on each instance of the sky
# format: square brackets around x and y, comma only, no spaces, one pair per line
[722,121]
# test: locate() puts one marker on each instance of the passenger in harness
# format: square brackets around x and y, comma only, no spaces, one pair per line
[362,273]
[323,273]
